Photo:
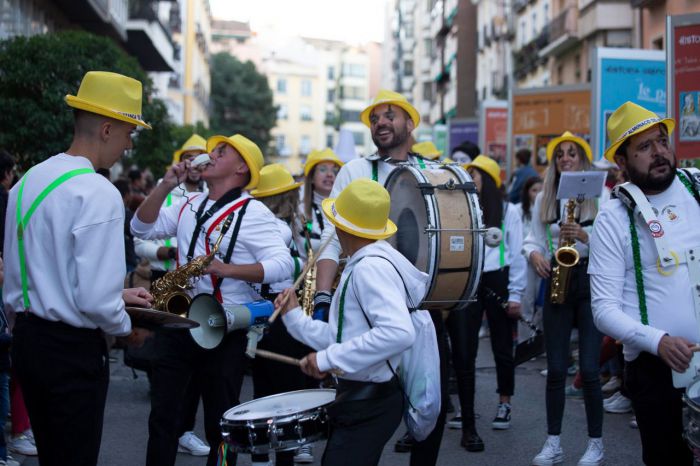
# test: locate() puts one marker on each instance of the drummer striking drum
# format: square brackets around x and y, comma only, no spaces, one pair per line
[369,326]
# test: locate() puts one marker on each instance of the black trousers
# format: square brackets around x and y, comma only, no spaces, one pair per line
[220,374]
[425,453]
[659,410]
[64,373]
[361,428]
[190,404]
[463,328]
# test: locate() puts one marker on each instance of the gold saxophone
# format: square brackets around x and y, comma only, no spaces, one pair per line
[307,293]
[170,291]
[566,257]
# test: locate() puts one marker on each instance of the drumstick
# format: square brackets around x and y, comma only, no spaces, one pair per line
[695,348]
[299,279]
[288,360]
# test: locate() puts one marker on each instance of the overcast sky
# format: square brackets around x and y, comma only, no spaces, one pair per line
[346,20]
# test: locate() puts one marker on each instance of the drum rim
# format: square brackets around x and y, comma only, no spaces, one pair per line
[276,395]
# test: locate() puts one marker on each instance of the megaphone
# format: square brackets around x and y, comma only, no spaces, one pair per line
[216,320]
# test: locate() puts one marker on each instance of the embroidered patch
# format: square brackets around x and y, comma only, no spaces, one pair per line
[656,229]
[668,211]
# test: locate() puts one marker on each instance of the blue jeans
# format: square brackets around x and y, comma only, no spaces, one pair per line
[558,320]
[4,408]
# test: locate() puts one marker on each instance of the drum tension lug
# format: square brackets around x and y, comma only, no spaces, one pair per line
[427,188]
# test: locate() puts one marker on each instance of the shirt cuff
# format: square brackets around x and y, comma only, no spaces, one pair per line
[514,297]
[139,228]
[322,361]
[652,339]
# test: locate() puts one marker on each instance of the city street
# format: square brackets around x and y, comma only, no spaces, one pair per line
[126,419]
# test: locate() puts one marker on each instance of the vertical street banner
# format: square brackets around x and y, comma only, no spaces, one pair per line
[493,130]
[683,60]
[461,130]
[620,75]
[540,114]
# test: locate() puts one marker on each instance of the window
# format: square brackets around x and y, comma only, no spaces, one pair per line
[282,86]
[329,140]
[359,138]
[282,112]
[280,143]
[305,145]
[354,70]
[306,88]
[534,24]
[331,73]
[305,113]
[349,115]
[428,91]
[352,92]
[331,95]
[408,68]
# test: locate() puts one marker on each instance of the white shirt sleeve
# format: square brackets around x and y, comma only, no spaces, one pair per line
[376,286]
[333,249]
[517,274]
[537,238]
[147,249]
[607,272]
[314,333]
[165,225]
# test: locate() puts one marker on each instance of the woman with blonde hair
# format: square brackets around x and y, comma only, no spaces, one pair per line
[549,226]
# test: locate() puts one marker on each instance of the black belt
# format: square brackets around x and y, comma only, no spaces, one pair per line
[33,319]
[353,390]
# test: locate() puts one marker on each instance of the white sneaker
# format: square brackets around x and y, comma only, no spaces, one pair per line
[190,443]
[22,445]
[594,455]
[9,462]
[543,372]
[305,454]
[612,385]
[551,453]
[617,404]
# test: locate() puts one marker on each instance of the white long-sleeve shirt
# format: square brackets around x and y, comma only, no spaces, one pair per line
[74,249]
[669,298]
[319,222]
[375,288]
[512,256]
[259,241]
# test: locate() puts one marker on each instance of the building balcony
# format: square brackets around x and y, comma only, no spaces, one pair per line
[528,58]
[148,39]
[102,17]
[519,5]
[563,33]
[645,3]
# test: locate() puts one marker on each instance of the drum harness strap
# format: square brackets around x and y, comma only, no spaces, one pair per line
[635,201]
[22,222]
[168,242]
[375,165]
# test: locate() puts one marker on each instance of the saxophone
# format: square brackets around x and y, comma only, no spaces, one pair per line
[566,257]
[170,291]
[307,293]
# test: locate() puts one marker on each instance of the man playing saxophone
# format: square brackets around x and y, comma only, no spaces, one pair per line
[252,251]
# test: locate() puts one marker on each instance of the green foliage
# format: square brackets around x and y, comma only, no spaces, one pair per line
[241,100]
[37,72]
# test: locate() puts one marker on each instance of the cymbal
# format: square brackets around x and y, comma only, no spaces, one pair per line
[152,317]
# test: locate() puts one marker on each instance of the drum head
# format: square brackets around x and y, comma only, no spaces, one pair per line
[280,405]
[693,392]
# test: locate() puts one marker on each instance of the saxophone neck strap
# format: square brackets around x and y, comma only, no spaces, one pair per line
[217,281]
[202,217]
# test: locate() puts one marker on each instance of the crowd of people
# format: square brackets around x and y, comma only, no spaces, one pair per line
[82,251]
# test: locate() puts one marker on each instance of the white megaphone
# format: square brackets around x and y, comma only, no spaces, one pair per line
[216,320]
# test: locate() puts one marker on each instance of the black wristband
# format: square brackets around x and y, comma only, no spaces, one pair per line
[322,297]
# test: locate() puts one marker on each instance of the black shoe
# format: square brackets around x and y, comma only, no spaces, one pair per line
[404,444]
[472,442]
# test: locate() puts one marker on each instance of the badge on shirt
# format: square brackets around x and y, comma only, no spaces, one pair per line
[657,231]
[669,212]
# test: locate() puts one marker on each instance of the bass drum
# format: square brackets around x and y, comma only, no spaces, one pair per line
[439,223]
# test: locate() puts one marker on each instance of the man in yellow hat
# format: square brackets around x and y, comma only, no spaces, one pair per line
[644,276]
[61,282]
[369,326]
[251,236]
[391,120]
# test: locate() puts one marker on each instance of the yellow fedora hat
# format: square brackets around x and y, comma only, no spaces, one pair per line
[628,120]
[361,209]
[427,149]
[195,143]
[385,97]
[110,94]
[568,136]
[274,179]
[249,151]
[488,165]
[320,156]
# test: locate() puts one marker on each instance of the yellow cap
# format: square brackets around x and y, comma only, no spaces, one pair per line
[274,179]
[249,151]
[110,94]
[385,97]
[568,136]
[427,149]
[488,165]
[195,143]
[361,209]
[320,156]
[628,120]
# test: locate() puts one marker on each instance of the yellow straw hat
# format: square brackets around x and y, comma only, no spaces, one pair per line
[628,120]
[249,151]
[274,179]
[488,165]
[195,143]
[568,136]
[320,156]
[427,149]
[385,97]
[110,94]
[361,209]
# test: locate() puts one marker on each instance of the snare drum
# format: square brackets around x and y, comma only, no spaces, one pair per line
[691,416]
[439,220]
[278,422]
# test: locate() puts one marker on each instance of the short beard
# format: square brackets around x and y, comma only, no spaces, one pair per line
[646,183]
[398,139]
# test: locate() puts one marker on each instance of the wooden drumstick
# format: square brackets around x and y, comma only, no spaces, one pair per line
[288,360]
[300,278]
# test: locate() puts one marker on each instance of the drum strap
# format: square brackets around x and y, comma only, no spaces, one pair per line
[168,242]
[375,170]
[502,244]
[23,221]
